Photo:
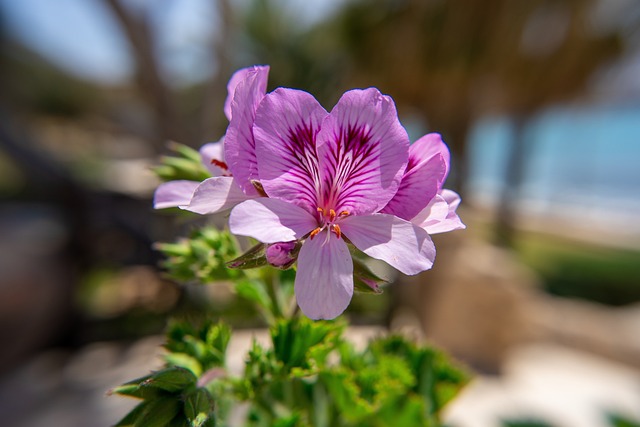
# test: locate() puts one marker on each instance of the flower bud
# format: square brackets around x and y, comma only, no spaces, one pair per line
[282,254]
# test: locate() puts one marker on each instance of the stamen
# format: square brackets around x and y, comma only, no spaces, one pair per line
[332,215]
[343,214]
[336,229]
[314,233]
[220,164]
[321,211]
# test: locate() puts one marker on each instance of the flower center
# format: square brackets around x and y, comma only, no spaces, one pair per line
[329,220]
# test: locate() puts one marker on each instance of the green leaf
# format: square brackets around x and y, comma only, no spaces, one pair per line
[364,280]
[255,292]
[185,151]
[218,337]
[346,395]
[185,361]
[292,420]
[198,406]
[618,420]
[139,391]
[172,379]
[158,412]
[252,258]
[293,338]
[133,415]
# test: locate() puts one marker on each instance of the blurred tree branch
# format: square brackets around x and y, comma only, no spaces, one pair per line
[148,77]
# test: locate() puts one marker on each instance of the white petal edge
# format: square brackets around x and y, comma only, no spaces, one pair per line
[215,195]
[440,216]
[271,220]
[397,242]
[174,194]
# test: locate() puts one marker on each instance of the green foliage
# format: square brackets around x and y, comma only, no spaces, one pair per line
[309,375]
[197,349]
[618,420]
[171,397]
[186,163]
[202,257]
[315,377]
[607,276]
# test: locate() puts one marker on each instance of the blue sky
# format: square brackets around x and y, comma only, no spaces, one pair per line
[82,36]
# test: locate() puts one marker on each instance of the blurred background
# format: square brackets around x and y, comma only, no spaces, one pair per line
[538,100]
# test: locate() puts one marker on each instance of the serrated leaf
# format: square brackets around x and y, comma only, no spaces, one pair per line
[218,337]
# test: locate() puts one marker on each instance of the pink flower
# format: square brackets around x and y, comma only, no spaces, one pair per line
[328,177]
[232,160]
[428,167]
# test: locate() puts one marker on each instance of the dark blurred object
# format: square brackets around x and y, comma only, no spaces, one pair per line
[53,232]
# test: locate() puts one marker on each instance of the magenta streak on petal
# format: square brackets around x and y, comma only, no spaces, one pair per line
[285,129]
[347,163]
[304,172]
[363,151]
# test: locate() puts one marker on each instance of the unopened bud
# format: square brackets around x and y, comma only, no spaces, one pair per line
[282,254]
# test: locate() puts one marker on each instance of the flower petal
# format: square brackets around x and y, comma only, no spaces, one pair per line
[239,145]
[174,193]
[235,79]
[285,129]
[399,243]
[362,151]
[212,154]
[271,220]
[440,216]
[324,281]
[419,185]
[216,194]
[425,148]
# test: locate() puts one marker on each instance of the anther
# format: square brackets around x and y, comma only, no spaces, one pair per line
[343,214]
[336,229]
[314,233]
[321,211]
[220,164]
[332,215]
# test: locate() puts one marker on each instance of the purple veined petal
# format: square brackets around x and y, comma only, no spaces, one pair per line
[216,194]
[362,151]
[285,129]
[239,144]
[425,148]
[419,185]
[271,220]
[174,193]
[324,281]
[399,243]
[440,216]
[212,155]
[235,79]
